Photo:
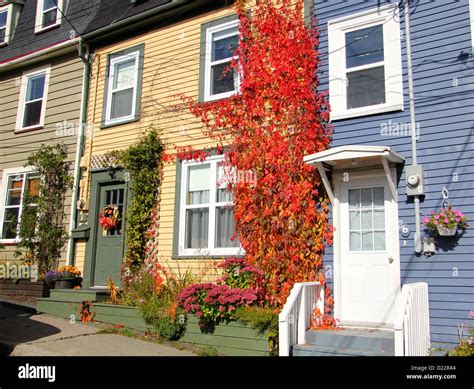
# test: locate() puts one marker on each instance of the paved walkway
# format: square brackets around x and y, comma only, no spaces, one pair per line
[26,334]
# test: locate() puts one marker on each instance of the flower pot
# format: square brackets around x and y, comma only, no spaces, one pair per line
[65,283]
[445,231]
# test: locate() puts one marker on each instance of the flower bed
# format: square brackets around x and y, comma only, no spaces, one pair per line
[233,338]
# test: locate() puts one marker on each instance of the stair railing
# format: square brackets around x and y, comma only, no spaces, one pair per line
[295,318]
[412,321]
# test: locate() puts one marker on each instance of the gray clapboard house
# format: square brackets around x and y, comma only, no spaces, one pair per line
[41,84]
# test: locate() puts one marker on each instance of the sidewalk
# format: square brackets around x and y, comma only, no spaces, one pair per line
[23,333]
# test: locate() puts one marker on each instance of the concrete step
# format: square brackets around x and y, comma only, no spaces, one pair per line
[310,350]
[78,295]
[370,340]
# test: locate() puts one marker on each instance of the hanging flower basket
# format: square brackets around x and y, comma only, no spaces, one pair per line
[109,217]
[446,221]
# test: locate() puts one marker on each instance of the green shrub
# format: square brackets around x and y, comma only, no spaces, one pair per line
[465,347]
[208,351]
[262,320]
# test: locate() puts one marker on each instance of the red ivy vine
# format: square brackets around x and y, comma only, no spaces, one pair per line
[276,119]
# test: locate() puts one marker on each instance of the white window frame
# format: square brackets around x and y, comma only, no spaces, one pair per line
[110,91]
[212,205]
[392,63]
[39,16]
[208,63]
[7,28]
[7,173]
[22,102]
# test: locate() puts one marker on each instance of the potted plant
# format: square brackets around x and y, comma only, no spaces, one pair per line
[66,277]
[446,221]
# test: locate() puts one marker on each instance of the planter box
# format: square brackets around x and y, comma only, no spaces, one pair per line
[233,339]
[23,287]
[119,314]
[444,231]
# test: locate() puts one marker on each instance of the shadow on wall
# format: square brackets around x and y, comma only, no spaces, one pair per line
[16,326]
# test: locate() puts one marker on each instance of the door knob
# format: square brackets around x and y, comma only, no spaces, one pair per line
[390,259]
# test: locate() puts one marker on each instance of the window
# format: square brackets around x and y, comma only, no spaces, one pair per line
[123,88]
[365,69]
[206,223]
[367,219]
[3,25]
[220,49]
[32,106]
[16,186]
[48,14]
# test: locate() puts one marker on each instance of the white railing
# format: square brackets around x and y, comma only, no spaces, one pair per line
[294,319]
[412,321]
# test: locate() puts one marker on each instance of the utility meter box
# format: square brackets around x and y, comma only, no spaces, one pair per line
[415,184]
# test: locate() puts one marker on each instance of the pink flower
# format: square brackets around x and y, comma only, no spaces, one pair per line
[426,220]
[446,220]
[458,220]
[436,222]
[432,212]
[436,217]
[442,214]
[199,314]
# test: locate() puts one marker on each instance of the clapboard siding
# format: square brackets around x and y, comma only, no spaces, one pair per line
[445,115]
[63,104]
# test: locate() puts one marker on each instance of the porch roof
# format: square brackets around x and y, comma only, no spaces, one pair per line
[354,156]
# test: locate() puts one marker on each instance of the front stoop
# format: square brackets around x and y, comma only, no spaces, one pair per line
[347,342]
[64,302]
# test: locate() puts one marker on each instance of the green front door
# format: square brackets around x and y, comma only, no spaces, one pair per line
[109,248]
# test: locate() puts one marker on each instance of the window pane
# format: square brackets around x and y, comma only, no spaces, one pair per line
[32,115]
[221,83]
[124,75]
[225,176]
[48,4]
[354,220]
[379,240]
[199,184]
[366,87]
[32,186]
[354,238]
[366,195]
[379,219]
[15,185]
[3,19]
[2,35]
[367,220]
[224,48]
[364,46]
[197,228]
[35,87]
[378,197]
[121,104]
[367,240]
[354,198]
[10,223]
[50,17]
[225,227]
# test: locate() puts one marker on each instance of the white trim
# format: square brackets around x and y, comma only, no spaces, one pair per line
[207,63]
[22,101]
[210,250]
[392,62]
[3,193]
[110,91]
[39,16]
[350,152]
[338,181]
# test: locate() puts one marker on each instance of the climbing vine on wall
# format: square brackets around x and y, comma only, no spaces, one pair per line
[276,119]
[143,161]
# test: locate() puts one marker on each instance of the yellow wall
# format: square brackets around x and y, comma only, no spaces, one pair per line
[171,67]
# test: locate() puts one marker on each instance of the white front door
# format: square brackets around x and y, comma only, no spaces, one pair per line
[368,258]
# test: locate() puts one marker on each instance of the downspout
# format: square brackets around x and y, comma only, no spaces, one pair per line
[411,93]
[84,54]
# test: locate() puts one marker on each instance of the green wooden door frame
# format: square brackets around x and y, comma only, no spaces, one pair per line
[98,179]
